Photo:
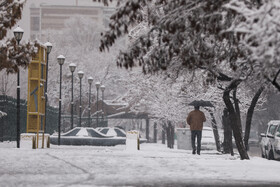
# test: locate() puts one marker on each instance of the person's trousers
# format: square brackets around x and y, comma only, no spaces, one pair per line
[196,134]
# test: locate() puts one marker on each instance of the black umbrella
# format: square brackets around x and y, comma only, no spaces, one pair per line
[201,103]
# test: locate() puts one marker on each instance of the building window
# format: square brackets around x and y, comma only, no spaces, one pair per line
[35,23]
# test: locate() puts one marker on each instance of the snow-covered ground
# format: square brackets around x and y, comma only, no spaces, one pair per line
[153,165]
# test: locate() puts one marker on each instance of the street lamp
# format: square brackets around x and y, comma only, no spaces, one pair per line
[102,90]
[80,74]
[90,79]
[49,48]
[72,68]
[18,33]
[60,60]
[97,84]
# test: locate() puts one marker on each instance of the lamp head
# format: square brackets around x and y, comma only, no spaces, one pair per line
[60,59]
[97,84]
[49,47]
[80,74]
[102,88]
[72,67]
[18,33]
[90,79]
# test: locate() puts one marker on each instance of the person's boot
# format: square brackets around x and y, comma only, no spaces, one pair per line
[198,152]
[193,152]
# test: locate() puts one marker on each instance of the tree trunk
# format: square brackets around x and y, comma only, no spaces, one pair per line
[250,115]
[1,129]
[215,130]
[237,110]
[172,136]
[163,134]
[234,119]
[155,132]
[227,144]
[216,133]
[168,136]
[274,81]
[147,130]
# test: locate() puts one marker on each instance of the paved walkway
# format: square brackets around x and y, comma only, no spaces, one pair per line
[153,165]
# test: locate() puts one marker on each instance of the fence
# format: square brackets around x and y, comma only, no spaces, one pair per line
[8,122]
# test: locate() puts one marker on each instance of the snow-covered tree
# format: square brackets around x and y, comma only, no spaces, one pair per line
[257,25]
[257,28]
[194,33]
[12,56]
[10,14]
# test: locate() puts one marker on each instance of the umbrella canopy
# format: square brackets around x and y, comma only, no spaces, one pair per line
[201,103]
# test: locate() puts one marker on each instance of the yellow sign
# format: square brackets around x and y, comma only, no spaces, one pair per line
[36,97]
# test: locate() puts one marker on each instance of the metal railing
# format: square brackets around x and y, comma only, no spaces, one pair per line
[8,122]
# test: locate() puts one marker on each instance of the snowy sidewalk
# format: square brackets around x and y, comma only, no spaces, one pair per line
[153,165]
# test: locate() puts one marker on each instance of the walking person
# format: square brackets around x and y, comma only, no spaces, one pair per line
[195,119]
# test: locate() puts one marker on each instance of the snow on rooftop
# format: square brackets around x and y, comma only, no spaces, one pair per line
[274,122]
[117,114]
[113,103]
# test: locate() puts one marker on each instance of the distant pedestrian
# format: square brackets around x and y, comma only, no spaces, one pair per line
[195,119]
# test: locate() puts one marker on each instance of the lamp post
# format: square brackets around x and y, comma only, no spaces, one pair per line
[97,84]
[18,33]
[80,74]
[90,79]
[60,60]
[72,68]
[49,48]
[102,90]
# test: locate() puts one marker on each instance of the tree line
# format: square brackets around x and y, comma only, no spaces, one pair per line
[235,41]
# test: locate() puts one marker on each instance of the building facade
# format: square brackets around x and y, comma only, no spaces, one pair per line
[53,17]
